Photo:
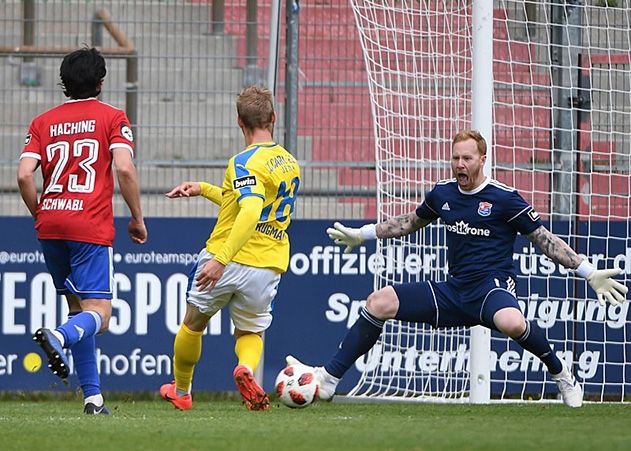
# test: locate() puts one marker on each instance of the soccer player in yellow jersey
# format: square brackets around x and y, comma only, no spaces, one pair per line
[246,253]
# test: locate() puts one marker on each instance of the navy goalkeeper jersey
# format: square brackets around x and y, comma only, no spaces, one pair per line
[481,224]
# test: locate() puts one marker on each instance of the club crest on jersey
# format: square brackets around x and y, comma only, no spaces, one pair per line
[242,182]
[127,133]
[484,209]
[533,215]
[27,139]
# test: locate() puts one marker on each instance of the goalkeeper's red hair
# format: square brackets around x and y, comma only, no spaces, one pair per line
[471,134]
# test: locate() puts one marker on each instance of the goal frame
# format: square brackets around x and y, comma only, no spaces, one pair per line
[561,198]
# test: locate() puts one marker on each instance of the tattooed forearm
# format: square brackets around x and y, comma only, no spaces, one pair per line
[555,248]
[401,226]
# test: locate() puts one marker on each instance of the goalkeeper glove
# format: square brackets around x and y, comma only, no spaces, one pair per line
[350,237]
[602,283]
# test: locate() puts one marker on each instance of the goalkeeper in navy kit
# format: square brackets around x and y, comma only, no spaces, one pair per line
[482,217]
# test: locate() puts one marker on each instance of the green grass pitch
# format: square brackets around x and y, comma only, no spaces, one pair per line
[226,424]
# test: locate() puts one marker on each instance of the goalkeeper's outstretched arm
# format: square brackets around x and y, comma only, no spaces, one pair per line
[560,252]
[392,228]
[400,226]
[555,248]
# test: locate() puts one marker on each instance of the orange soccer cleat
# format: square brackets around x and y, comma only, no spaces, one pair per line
[253,395]
[168,393]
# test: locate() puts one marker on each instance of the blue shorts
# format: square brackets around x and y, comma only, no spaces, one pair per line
[455,303]
[83,269]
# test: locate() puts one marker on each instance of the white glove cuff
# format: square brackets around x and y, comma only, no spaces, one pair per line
[585,269]
[368,232]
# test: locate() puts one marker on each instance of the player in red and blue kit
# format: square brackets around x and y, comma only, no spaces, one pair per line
[482,218]
[75,144]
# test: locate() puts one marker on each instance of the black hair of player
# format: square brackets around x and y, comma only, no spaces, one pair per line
[82,73]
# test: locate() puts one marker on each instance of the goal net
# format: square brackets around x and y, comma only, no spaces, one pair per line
[561,135]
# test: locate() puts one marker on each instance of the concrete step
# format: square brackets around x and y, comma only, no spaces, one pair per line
[162,179]
[48,91]
[200,113]
[194,114]
[175,45]
[193,75]
[11,144]
[179,145]
[11,205]
[168,78]
[8,178]
[42,98]
[157,205]
[34,100]
[131,17]
[164,43]
[153,179]
[165,141]
[219,145]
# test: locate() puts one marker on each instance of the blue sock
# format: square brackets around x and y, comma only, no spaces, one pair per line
[358,341]
[84,361]
[535,341]
[80,326]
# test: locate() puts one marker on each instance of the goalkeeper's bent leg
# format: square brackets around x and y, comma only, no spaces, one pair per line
[361,337]
[509,320]
[187,349]
[534,340]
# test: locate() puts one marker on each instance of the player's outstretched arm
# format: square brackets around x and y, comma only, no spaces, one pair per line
[601,280]
[192,189]
[128,182]
[392,228]
[185,189]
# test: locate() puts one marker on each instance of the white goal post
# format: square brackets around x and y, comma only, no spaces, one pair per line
[548,83]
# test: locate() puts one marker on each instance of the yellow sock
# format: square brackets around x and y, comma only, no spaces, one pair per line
[249,348]
[187,349]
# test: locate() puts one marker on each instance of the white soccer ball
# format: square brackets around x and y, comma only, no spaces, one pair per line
[297,386]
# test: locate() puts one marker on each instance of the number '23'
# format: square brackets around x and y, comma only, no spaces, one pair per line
[78,148]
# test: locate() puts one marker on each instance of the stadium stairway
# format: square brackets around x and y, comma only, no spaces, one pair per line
[188,81]
[186,116]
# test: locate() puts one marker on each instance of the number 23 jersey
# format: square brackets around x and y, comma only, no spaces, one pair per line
[73,143]
[268,171]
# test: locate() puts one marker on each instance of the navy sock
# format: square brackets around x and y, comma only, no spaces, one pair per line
[359,340]
[84,362]
[80,326]
[535,341]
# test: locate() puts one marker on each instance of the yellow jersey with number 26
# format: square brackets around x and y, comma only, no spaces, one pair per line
[268,171]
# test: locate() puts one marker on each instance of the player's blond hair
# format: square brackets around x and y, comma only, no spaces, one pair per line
[471,134]
[255,108]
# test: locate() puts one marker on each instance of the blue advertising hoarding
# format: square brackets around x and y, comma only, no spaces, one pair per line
[150,287]
[318,299]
